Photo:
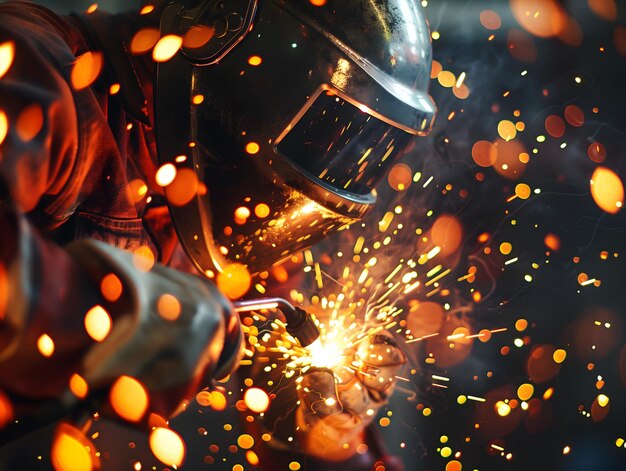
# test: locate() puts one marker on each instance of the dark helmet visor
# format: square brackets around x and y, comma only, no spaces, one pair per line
[335,140]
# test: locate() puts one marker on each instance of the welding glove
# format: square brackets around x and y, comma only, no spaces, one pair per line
[171,350]
[337,405]
[201,341]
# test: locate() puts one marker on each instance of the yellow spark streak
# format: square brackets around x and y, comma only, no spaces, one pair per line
[438,277]
[308,257]
[434,271]
[389,291]
[367,152]
[387,153]
[402,378]
[318,276]
[477,399]
[385,222]
[433,253]
[495,447]
[460,80]
[588,282]
[513,260]
[422,338]
[393,273]
[433,292]
[428,182]
[358,246]
[410,288]
[455,336]
[363,276]
[440,378]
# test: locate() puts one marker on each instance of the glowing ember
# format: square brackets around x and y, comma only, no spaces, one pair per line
[183,188]
[218,400]
[79,386]
[45,345]
[484,153]
[166,48]
[525,391]
[255,60]
[165,175]
[143,258]
[7,52]
[234,280]
[4,126]
[256,400]
[86,69]
[146,9]
[261,210]
[111,287]
[198,36]
[167,446]
[252,148]
[129,398]
[144,40]
[507,130]
[72,451]
[168,307]
[607,190]
[6,410]
[98,323]
[490,19]
[241,215]
[29,122]
[245,441]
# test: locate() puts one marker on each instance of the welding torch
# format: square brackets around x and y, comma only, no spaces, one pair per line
[300,324]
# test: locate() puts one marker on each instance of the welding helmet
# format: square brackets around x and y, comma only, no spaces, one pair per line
[288,114]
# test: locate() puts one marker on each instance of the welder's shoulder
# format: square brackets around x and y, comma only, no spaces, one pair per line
[37,30]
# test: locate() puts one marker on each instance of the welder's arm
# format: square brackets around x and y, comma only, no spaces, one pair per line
[169,330]
[46,291]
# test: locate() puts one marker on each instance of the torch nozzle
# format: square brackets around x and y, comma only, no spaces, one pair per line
[300,324]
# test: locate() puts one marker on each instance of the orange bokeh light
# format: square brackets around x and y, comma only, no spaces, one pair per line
[447,233]
[234,281]
[86,69]
[111,287]
[129,398]
[256,400]
[167,446]
[607,190]
[72,451]
[484,153]
[144,40]
[166,48]
[169,307]
[98,323]
[183,188]
[7,52]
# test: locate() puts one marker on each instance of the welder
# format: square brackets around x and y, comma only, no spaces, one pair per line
[266,129]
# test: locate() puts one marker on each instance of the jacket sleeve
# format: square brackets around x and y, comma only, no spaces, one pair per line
[89,308]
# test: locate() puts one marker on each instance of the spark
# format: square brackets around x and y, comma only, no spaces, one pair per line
[477,399]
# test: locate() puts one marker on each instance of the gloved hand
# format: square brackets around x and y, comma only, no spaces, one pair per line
[171,354]
[336,405]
